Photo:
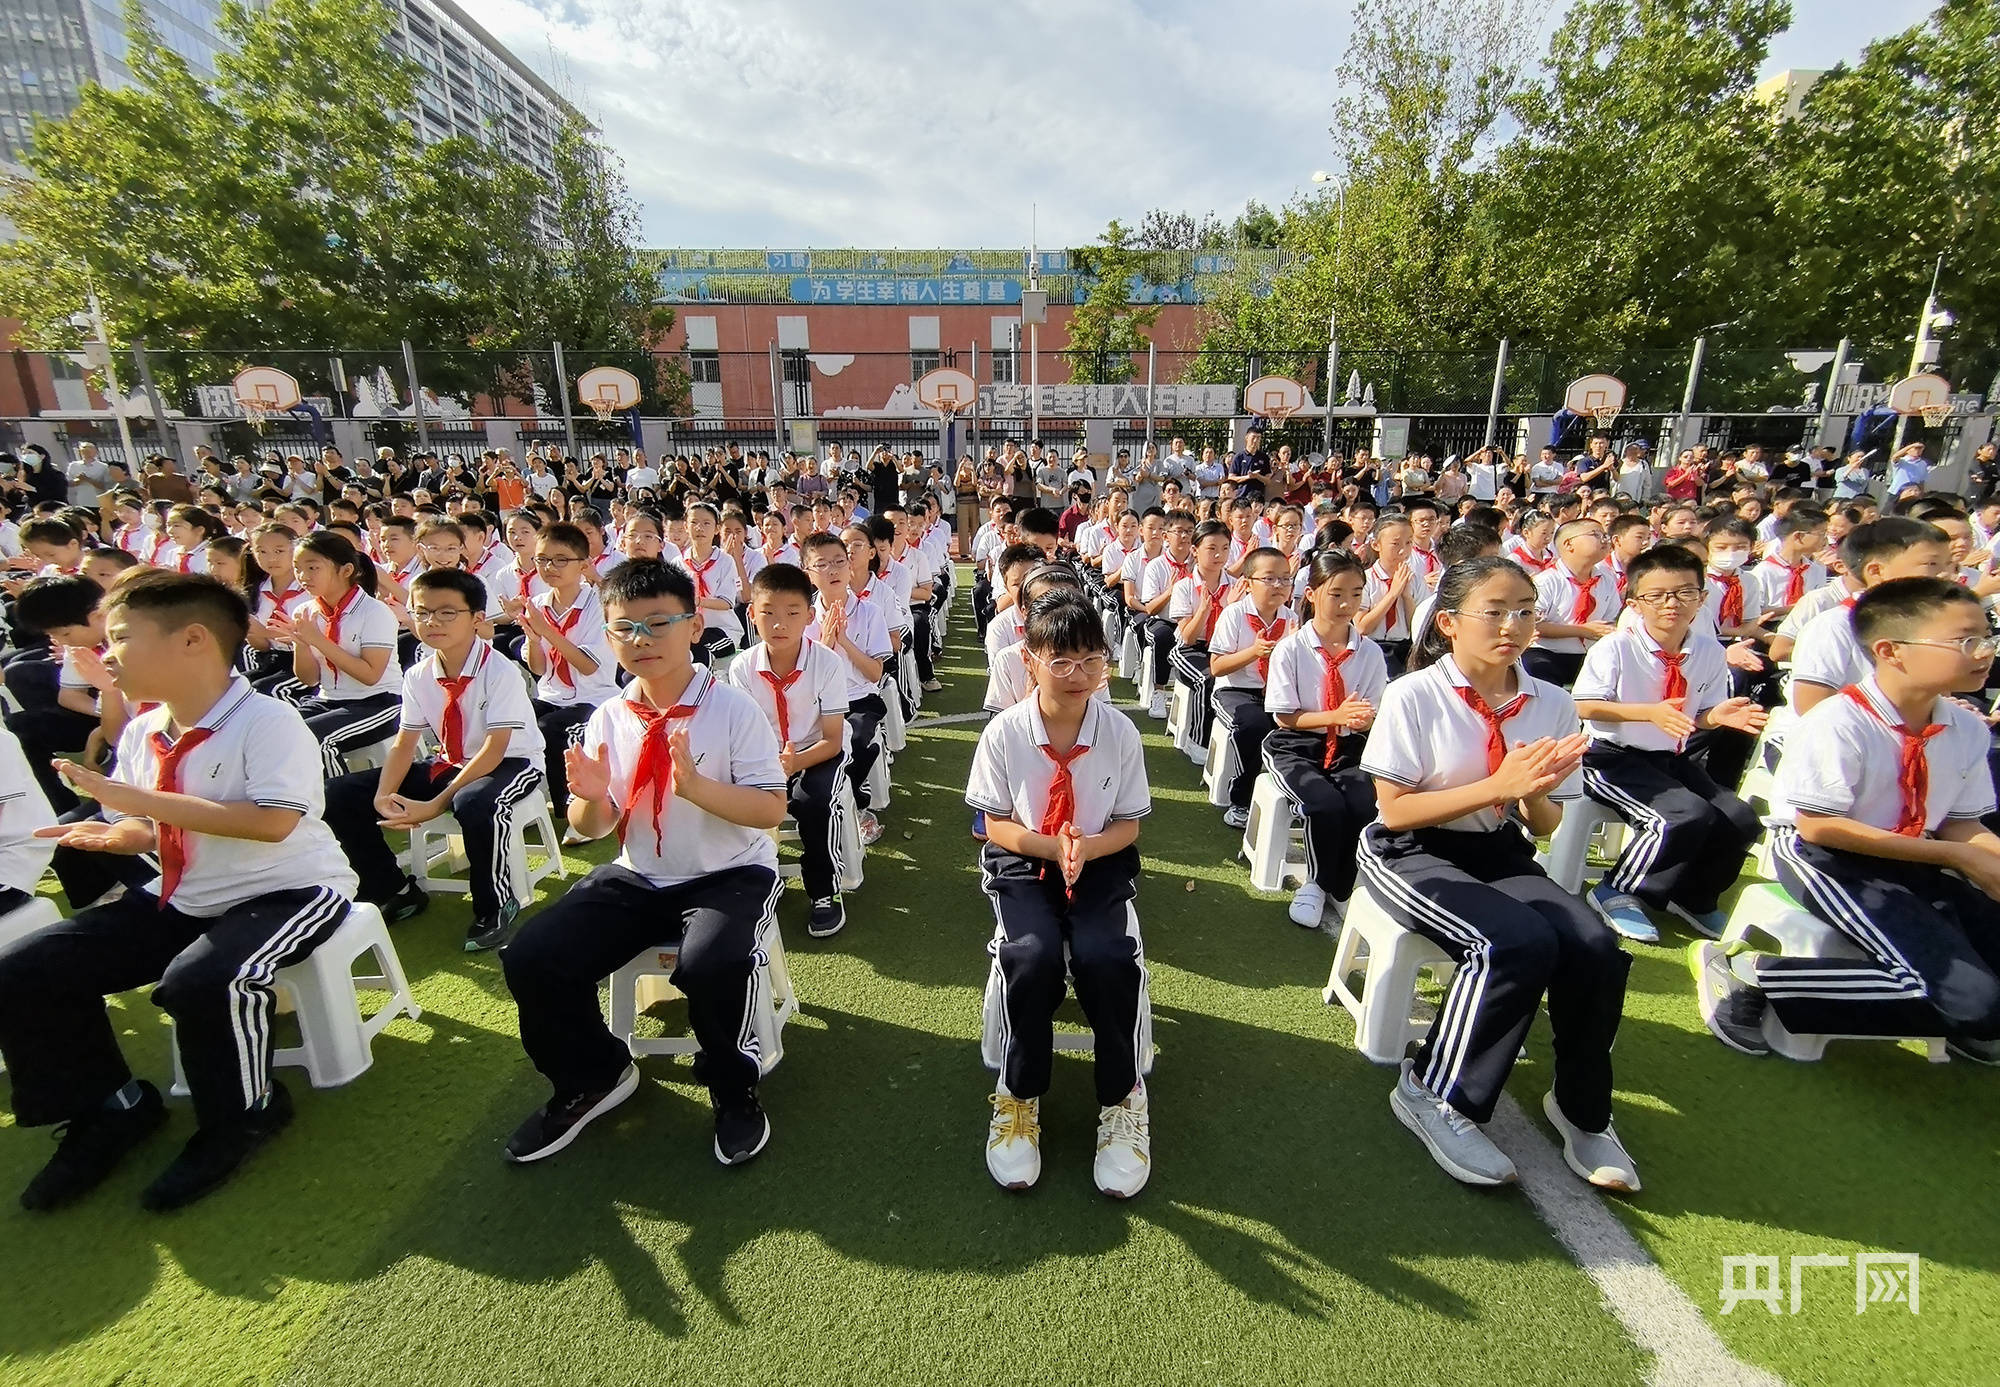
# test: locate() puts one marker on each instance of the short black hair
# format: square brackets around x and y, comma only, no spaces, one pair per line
[1209,529]
[1018,554]
[1895,609]
[568,536]
[778,578]
[1466,541]
[1800,519]
[177,601]
[456,580]
[1735,527]
[1413,504]
[1885,539]
[57,600]
[1038,520]
[1665,558]
[643,580]
[47,530]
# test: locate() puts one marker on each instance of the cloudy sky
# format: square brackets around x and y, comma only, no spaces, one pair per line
[882,123]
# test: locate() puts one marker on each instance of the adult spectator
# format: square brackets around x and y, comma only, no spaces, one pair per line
[884,481]
[1021,475]
[1251,468]
[1050,479]
[164,481]
[641,476]
[1635,472]
[1795,469]
[1908,468]
[1209,472]
[43,478]
[1985,474]
[89,477]
[540,479]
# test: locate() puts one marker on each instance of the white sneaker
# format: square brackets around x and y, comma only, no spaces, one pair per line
[1308,905]
[1014,1141]
[1454,1140]
[1159,706]
[1124,1145]
[1598,1157]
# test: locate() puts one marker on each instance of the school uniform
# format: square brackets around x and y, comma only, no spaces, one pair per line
[865,708]
[1320,770]
[794,704]
[1239,695]
[1392,636]
[344,712]
[23,809]
[1691,835]
[684,877]
[193,560]
[270,670]
[1564,598]
[1157,635]
[1016,776]
[910,572]
[1189,659]
[224,917]
[1472,887]
[1824,598]
[47,729]
[1780,584]
[1931,944]
[513,583]
[721,632]
[986,545]
[1828,653]
[565,696]
[1007,681]
[488,695]
[1515,548]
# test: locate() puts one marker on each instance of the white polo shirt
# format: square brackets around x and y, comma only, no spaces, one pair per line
[1298,674]
[1375,586]
[1425,736]
[721,580]
[1186,596]
[1012,773]
[870,634]
[1160,575]
[1555,599]
[1823,598]
[367,625]
[880,591]
[732,741]
[1234,632]
[1133,570]
[23,809]
[507,584]
[1828,654]
[1111,560]
[1843,759]
[269,601]
[583,623]
[496,700]
[259,750]
[1773,580]
[1625,667]
[821,689]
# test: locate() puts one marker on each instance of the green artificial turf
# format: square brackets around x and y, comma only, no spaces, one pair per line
[1292,1232]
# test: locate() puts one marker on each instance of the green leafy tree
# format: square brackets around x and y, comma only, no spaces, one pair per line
[1107,328]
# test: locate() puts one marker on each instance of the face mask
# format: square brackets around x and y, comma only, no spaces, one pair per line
[152,520]
[1728,561]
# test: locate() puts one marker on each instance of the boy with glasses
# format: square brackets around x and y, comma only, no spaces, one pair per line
[564,646]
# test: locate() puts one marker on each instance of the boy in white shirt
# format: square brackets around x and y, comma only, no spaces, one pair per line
[565,648]
[1195,607]
[1789,570]
[24,810]
[223,783]
[685,770]
[1239,661]
[1395,587]
[1829,656]
[1156,589]
[1576,604]
[855,629]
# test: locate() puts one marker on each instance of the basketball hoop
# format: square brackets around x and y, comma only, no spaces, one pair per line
[262,391]
[1600,396]
[1276,398]
[1925,393]
[948,391]
[607,390]
[1935,415]
[1606,415]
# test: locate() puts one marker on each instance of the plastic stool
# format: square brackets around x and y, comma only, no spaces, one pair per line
[645,982]
[1219,767]
[1389,957]
[1569,847]
[437,851]
[1146,686]
[1768,910]
[993,1011]
[892,732]
[1130,652]
[847,823]
[336,1040]
[1180,719]
[1269,837]
[370,757]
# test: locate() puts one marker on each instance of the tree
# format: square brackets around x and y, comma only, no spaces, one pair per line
[1107,327]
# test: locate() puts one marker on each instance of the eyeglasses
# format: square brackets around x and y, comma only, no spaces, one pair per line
[1062,667]
[626,632]
[1972,647]
[431,616]
[1271,582]
[549,561]
[1672,597]
[825,565]
[1513,616]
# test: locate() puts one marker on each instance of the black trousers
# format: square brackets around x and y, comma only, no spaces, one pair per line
[33,675]
[556,961]
[864,742]
[1552,666]
[712,646]
[1190,665]
[1690,836]
[85,875]
[922,643]
[484,810]
[45,733]
[1395,656]
[1242,712]
[1158,637]
[982,602]
[1037,920]
[1338,802]
[344,725]
[214,979]
[1724,752]
[562,728]
[1932,941]
[1514,935]
[816,808]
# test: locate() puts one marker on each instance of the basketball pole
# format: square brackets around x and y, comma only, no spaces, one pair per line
[562,393]
[1917,345]
[168,438]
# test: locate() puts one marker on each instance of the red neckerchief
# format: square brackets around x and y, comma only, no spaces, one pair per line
[1526,558]
[558,663]
[453,722]
[1214,610]
[1795,578]
[700,573]
[780,686]
[1729,612]
[172,840]
[282,601]
[655,767]
[1273,631]
[1913,775]
[1496,740]
[333,617]
[1584,604]
[1061,808]
[1177,568]
[1332,691]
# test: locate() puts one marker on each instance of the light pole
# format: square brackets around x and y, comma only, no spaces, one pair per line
[1333,307]
[97,352]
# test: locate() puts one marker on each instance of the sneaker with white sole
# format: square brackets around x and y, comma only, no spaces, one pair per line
[1625,914]
[1598,1157]
[1308,905]
[557,1122]
[1014,1141]
[1730,1007]
[1124,1145]
[1158,707]
[1454,1140]
[1236,817]
[1709,924]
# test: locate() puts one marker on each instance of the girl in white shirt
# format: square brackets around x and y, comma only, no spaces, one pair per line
[343,649]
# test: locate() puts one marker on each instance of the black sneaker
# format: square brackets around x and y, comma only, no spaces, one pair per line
[1733,1009]
[556,1123]
[828,917]
[213,1154]
[91,1147]
[407,903]
[741,1129]
[1977,1051]
[491,931]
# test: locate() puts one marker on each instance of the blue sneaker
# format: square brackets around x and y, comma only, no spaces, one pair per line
[1623,913]
[1709,924]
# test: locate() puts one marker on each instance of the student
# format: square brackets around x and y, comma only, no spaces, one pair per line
[24,810]
[855,629]
[1532,545]
[1007,677]
[471,702]
[1195,607]
[1790,570]
[1239,660]
[69,611]
[1828,656]
[684,768]
[1326,681]
[1395,586]
[1156,590]
[1011,567]
[1061,780]
[191,528]
[1576,604]
[801,687]
[1733,605]
[225,785]
[1630,535]
[717,585]
[344,646]
[565,648]
[1472,759]
[1643,691]
[1880,796]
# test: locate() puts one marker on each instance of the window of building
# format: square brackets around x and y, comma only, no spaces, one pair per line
[920,362]
[705,368]
[1005,367]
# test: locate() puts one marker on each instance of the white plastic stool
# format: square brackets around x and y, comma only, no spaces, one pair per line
[437,851]
[847,823]
[1180,702]
[893,735]
[1389,957]
[370,757]
[879,788]
[1219,767]
[993,1010]
[1270,837]
[1130,652]
[22,921]
[336,1040]
[645,982]
[1146,686]
[1760,776]
[1768,910]
[1569,847]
